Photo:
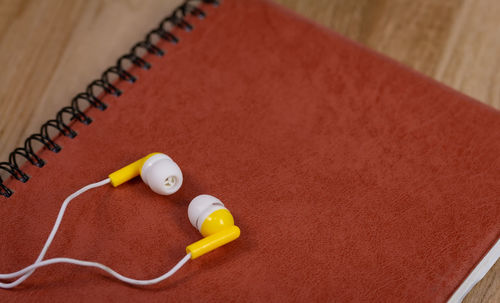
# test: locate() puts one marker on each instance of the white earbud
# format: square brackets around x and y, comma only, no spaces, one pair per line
[201,207]
[162,174]
[157,170]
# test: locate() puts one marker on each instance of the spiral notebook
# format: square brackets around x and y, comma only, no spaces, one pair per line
[351,177]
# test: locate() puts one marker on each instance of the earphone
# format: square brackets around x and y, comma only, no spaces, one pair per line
[206,213]
[157,170]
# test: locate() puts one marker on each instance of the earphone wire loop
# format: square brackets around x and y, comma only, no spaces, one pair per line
[29,270]
[52,234]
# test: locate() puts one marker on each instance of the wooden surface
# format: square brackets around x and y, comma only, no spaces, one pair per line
[51,49]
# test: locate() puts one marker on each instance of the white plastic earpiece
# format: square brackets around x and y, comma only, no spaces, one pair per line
[201,207]
[161,174]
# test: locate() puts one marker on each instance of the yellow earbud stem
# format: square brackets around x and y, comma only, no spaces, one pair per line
[128,172]
[214,241]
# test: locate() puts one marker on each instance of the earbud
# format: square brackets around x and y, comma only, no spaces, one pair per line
[162,174]
[157,170]
[214,221]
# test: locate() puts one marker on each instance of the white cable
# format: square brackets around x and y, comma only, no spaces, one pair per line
[51,235]
[103,267]
[27,271]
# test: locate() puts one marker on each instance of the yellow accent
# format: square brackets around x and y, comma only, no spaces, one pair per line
[212,242]
[216,221]
[128,172]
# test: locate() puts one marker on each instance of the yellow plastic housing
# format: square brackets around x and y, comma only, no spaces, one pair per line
[128,172]
[214,241]
[216,221]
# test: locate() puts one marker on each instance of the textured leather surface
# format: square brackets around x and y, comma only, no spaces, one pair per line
[352,178]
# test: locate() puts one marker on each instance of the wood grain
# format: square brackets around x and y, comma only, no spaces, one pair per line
[51,49]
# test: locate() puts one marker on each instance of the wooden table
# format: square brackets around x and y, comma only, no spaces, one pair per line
[50,49]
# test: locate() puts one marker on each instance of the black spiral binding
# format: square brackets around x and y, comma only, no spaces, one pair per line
[90,96]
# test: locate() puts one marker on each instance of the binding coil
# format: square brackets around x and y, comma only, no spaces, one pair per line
[91,95]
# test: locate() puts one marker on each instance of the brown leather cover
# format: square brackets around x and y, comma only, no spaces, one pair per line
[352,177]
